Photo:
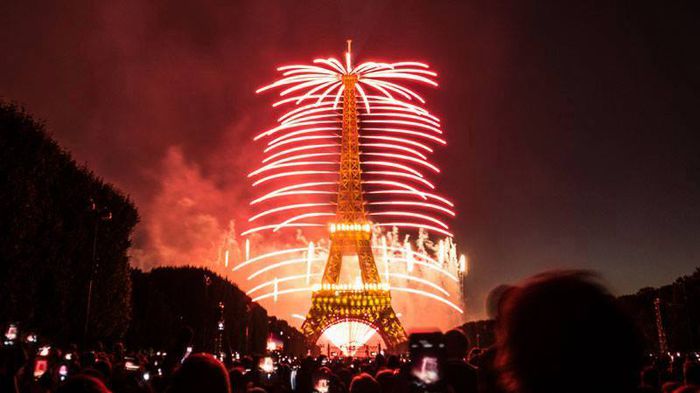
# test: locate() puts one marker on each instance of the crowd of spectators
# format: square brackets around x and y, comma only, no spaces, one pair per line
[556,333]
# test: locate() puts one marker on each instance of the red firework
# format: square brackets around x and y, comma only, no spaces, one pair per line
[299,172]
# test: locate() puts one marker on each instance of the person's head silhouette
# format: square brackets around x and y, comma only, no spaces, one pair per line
[456,344]
[364,383]
[83,384]
[563,332]
[200,373]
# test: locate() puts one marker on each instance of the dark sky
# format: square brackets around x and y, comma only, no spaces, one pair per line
[572,128]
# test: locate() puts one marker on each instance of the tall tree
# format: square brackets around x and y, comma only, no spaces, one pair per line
[62,227]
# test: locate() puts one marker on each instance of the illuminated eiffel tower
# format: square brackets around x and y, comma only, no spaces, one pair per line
[350,235]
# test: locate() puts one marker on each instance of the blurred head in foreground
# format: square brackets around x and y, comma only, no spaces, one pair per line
[364,383]
[83,384]
[200,373]
[563,332]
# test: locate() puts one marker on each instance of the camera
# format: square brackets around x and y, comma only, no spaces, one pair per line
[63,372]
[427,359]
[131,364]
[11,334]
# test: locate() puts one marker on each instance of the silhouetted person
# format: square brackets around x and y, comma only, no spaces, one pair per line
[687,389]
[458,373]
[675,368]
[237,380]
[345,376]
[284,373]
[670,387]
[485,360]
[95,373]
[385,379]
[104,366]
[118,352]
[364,383]
[663,365]
[12,360]
[88,359]
[323,380]
[379,361]
[650,380]
[393,362]
[200,373]
[83,384]
[562,332]
[178,349]
[691,374]
[304,380]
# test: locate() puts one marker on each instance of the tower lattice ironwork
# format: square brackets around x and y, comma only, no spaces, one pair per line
[350,235]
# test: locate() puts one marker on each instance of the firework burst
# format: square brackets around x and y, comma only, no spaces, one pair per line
[396,138]
[297,181]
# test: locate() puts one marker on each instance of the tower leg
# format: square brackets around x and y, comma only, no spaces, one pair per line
[368,268]
[331,273]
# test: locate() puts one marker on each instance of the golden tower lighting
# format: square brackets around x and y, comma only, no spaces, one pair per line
[350,157]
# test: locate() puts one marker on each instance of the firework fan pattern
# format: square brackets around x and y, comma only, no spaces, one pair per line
[297,181]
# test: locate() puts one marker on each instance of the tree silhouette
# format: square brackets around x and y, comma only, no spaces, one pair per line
[48,231]
[167,299]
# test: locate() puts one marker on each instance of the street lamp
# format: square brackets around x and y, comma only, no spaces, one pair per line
[101,214]
[219,344]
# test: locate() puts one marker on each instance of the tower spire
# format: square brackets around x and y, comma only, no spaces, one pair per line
[348,57]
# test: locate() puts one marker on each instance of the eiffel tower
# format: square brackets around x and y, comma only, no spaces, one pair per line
[350,235]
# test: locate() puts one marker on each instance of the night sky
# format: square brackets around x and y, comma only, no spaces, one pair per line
[572,129]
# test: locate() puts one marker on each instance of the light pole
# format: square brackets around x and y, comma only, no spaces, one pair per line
[247,318]
[101,214]
[219,343]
